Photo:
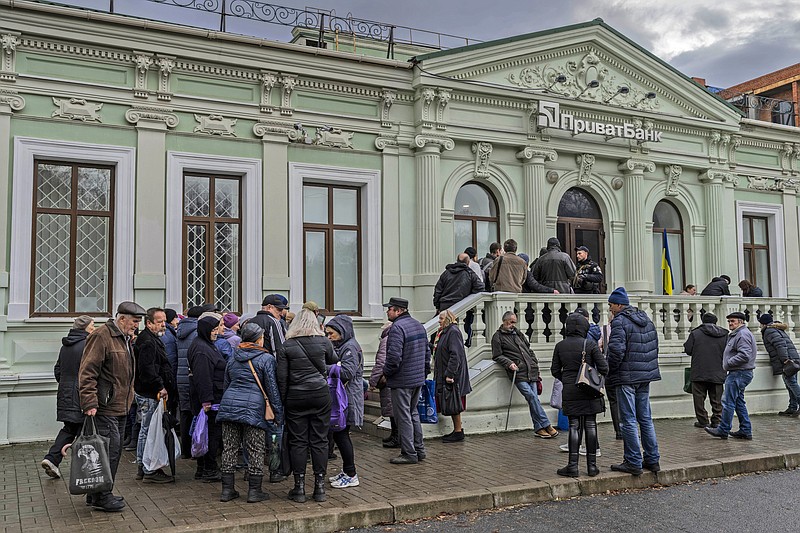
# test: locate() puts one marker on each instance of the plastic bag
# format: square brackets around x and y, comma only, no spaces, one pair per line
[275,453]
[200,435]
[155,453]
[687,380]
[90,471]
[339,400]
[555,396]
[426,406]
[451,400]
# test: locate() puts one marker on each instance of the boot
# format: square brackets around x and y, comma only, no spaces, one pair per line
[201,468]
[298,493]
[134,440]
[590,425]
[571,470]
[254,493]
[319,488]
[228,491]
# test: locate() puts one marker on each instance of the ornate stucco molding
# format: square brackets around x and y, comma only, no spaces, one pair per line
[215,125]
[443,96]
[736,141]
[385,142]
[532,114]
[482,151]
[8,56]
[269,129]
[143,62]
[165,66]
[786,157]
[715,175]
[585,162]
[636,166]
[333,137]
[77,109]
[268,81]
[288,83]
[536,154]
[673,173]
[150,113]
[431,139]
[769,183]
[426,97]
[387,99]
[12,100]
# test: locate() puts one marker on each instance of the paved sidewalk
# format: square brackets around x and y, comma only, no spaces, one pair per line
[484,471]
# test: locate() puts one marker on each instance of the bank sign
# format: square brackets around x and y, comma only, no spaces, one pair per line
[550,116]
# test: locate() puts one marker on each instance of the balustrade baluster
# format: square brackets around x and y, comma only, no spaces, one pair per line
[478,326]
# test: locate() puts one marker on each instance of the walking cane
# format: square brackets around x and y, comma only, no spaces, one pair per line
[511,396]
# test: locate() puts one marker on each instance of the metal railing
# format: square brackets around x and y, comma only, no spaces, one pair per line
[764,108]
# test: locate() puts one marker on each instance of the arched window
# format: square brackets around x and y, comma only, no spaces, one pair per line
[580,223]
[476,222]
[666,217]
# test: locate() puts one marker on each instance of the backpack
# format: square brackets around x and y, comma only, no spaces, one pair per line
[339,401]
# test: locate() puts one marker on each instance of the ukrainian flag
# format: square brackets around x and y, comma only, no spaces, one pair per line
[666,266]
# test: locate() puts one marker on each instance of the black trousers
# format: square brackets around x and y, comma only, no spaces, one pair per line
[345,445]
[112,427]
[308,420]
[186,433]
[613,406]
[714,391]
[208,462]
[66,435]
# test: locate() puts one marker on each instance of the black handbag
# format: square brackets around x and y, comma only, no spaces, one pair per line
[589,379]
[791,367]
[451,400]
[90,471]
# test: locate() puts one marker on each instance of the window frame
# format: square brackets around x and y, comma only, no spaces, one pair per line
[752,247]
[210,221]
[671,231]
[776,234]
[328,230]
[475,219]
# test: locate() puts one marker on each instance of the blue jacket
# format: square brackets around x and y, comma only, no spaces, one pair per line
[632,349]
[242,401]
[594,332]
[170,340]
[352,372]
[187,331]
[408,356]
[224,347]
[740,352]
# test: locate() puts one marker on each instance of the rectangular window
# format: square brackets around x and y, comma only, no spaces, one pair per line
[73,221]
[755,243]
[332,247]
[212,227]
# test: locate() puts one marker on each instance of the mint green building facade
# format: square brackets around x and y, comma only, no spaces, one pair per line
[346,178]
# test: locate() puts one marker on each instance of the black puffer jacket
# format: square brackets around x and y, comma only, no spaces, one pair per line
[567,360]
[153,371]
[779,346]
[555,269]
[186,334]
[705,346]
[301,366]
[512,346]
[717,287]
[456,283]
[68,403]
[207,378]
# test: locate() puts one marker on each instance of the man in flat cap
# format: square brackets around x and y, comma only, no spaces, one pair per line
[105,382]
[739,360]
[408,361]
[269,318]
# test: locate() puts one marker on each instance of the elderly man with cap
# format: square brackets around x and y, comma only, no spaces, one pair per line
[555,268]
[270,319]
[105,382]
[588,275]
[739,360]
[781,349]
[705,346]
[408,361]
[632,365]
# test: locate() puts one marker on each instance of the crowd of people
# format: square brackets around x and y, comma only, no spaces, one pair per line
[265,385]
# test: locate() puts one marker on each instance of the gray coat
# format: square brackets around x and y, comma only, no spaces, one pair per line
[352,361]
[740,351]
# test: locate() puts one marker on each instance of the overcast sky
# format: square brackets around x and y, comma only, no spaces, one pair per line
[725,42]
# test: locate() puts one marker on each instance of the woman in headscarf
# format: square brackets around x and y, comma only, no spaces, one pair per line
[450,368]
[302,379]
[206,383]
[340,332]
[249,375]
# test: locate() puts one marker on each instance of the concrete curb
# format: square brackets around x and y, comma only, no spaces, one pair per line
[324,520]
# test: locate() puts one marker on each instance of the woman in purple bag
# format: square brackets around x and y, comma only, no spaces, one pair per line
[340,332]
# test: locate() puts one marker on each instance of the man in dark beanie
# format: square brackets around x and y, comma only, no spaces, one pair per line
[718,287]
[780,349]
[705,346]
[186,333]
[632,365]
[555,268]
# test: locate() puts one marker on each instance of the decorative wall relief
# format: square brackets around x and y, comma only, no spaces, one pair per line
[482,151]
[426,139]
[768,183]
[386,141]
[77,109]
[333,137]
[617,183]
[443,96]
[586,162]
[786,158]
[11,99]
[387,99]
[673,173]
[427,96]
[143,61]
[713,146]
[165,66]
[736,141]
[715,175]
[215,125]
[288,83]
[532,112]
[156,114]
[8,56]
[293,132]
[268,81]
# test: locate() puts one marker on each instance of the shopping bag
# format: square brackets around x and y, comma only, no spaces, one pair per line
[200,435]
[687,380]
[155,454]
[90,471]
[275,453]
[555,396]
[339,401]
[451,400]
[426,406]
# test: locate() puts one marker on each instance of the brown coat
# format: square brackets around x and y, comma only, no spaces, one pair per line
[508,273]
[107,360]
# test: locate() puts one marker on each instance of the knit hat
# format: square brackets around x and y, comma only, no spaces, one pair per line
[709,318]
[524,257]
[766,319]
[251,332]
[230,320]
[195,312]
[82,322]
[171,314]
[211,314]
[553,241]
[619,296]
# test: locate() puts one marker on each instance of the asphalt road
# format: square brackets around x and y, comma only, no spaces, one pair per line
[761,503]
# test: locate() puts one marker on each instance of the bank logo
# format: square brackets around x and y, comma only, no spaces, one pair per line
[549,115]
